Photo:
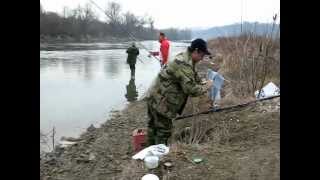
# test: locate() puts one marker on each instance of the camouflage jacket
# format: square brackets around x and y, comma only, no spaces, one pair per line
[174,84]
[133,52]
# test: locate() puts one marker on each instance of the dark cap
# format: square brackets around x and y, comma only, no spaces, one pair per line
[201,45]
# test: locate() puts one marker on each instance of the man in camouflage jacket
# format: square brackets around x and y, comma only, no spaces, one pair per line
[173,85]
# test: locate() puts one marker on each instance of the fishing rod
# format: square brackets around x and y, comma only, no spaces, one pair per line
[140,60]
[226,108]
[130,35]
[107,16]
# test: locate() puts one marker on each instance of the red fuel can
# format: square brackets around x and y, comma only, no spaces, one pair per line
[139,139]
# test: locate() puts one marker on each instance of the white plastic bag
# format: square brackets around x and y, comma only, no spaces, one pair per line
[156,150]
[66,143]
[269,90]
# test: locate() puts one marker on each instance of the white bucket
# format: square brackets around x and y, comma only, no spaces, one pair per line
[150,177]
[151,162]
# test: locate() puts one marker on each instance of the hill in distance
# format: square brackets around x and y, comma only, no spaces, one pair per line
[234,30]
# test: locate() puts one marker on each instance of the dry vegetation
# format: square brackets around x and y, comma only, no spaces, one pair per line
[240,144]
[248,62]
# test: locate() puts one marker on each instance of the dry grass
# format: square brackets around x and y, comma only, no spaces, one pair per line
[134,170]
[44,143]
[195,131]
[248,62]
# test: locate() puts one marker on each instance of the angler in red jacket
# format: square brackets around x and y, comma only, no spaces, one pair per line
[164,49]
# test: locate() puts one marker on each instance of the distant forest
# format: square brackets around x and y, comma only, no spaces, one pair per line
[82,23]
[237,29]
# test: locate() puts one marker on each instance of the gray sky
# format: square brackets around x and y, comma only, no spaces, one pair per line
[185,13]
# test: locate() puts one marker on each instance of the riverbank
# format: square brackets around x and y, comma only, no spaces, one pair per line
[241,144]
[85,39]
[237,144]
[49,43]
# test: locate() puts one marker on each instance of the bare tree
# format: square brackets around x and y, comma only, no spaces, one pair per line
[114,18]
[65,12]
[88,18]
[82,23]
[113,12]
[151,22]
[130,20]
[41,10]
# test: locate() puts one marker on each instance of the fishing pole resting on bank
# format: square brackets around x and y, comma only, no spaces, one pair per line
[226,108]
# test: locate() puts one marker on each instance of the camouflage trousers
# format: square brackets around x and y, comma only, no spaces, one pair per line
[159,128]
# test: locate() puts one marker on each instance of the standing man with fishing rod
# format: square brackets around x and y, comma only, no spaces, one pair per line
[132,52]
[164,49]
[174,84]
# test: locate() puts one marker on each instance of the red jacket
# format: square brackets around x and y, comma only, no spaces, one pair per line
[164,49]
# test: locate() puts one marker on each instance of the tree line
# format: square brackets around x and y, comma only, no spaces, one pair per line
[83,23]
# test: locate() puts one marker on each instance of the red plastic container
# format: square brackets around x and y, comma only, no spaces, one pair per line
[139,139]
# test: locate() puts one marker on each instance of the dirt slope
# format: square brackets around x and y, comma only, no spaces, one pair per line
[241,144]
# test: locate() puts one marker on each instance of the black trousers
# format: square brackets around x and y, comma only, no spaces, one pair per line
[133,69]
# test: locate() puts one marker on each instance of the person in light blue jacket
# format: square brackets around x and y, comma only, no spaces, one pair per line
[215,90]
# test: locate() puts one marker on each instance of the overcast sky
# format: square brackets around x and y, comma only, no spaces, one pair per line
[184,13]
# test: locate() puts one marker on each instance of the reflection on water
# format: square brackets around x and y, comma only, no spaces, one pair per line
[111,62]
[81,87]
[132,93]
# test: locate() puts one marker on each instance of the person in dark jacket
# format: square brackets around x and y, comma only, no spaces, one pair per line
[132,52]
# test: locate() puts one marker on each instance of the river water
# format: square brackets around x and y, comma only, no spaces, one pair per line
[80,83]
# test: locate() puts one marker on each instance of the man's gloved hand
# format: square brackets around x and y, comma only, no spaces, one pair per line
[203,81]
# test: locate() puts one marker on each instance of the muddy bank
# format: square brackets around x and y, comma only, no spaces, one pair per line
[240,144]
[99,153]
